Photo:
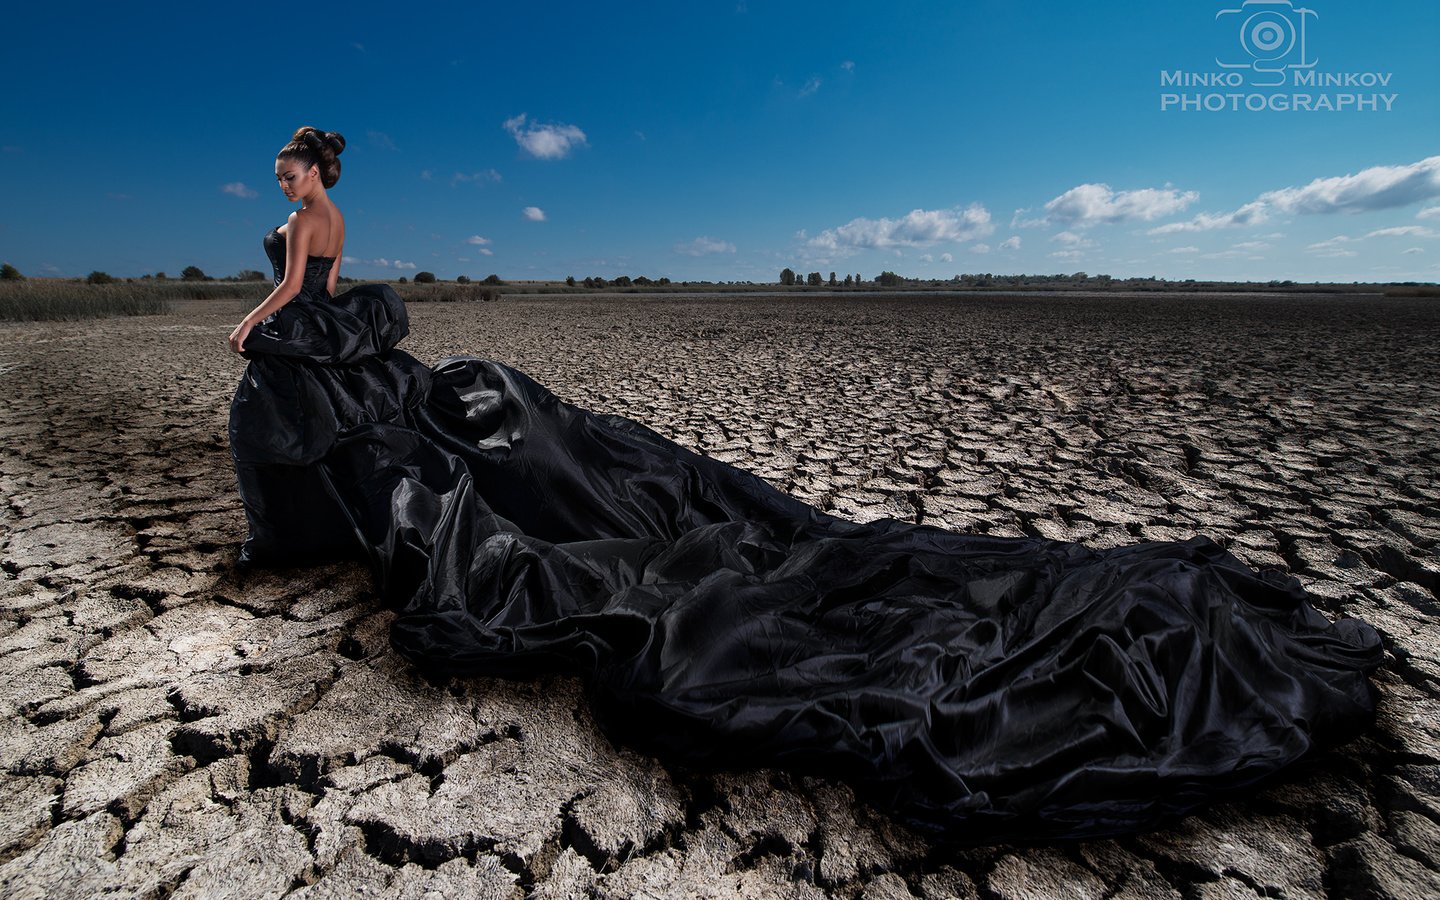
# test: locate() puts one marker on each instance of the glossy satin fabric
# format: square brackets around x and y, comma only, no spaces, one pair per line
[995,688]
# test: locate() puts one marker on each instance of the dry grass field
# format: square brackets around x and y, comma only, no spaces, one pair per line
[168,728]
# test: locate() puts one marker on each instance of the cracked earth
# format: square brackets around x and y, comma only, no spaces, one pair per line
[169,728]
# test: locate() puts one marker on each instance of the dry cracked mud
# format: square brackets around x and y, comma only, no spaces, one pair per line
[168,728]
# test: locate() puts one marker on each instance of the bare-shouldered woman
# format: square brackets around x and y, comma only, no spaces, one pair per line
[305,168]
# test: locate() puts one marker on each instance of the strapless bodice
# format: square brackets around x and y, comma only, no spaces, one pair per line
[317,268]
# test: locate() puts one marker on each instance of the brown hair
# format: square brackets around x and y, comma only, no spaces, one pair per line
[312,147]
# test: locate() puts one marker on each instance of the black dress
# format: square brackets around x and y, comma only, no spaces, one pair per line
[991,687]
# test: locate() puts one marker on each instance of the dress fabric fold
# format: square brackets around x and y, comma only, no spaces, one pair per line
[992,688]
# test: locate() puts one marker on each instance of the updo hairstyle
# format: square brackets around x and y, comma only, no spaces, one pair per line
[312,147]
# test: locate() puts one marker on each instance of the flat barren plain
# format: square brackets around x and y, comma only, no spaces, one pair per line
[171,729]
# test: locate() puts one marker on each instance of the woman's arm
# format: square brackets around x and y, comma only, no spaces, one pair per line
[335,267]
[296,239]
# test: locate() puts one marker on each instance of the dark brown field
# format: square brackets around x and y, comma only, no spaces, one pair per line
[166,730]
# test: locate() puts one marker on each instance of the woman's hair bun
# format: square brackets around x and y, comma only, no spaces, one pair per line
[313,147]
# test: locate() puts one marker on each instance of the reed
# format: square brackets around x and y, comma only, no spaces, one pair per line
[39,300]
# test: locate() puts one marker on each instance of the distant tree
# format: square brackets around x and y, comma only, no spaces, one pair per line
[849,280]
[492,278]
[161,276]
[98,277]
[404,280]
[787,276]
[10,273]
[663,280]
[643,281]
[597,281]
[814,279]
[192,273]
[462,279]
[887,279]
[832,279]
[622,281]
[249,275]
[569,280]
[858,279]
[424,277]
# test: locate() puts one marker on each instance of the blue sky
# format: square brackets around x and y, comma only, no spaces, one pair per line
[726,140]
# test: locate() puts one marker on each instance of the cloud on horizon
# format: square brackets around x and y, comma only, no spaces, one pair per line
[239,189]
[381,262]
[704,246]
[533,213]
[1093,204]
[918,228]
[1375,188]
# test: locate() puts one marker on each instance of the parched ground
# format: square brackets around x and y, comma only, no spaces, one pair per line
[169,729]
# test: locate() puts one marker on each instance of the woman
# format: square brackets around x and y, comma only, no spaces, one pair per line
[995,688]
[311,240]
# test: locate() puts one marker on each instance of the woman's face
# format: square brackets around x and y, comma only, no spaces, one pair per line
[295,179]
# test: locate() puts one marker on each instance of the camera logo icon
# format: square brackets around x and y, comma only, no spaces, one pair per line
[1271,36]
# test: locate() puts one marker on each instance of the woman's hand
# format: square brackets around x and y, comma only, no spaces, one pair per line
[238,336]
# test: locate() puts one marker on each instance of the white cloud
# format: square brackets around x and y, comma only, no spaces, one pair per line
[1250,245]
[1429,212]
[1091,204]
[918,228]
[946,257]
[381,140]
[382,262]
[927,257]
[848,65]
[1183,250]
[1019,221]
[1378,187]
[1413,250]
[1067,254]
[477,240]
[238,189]
[534,213]
[1011,243]
[486,251]
[1253,213]
[1333,247]
[545,141]
[811,86]
[1071,239]
[1405,231]
[703,246]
